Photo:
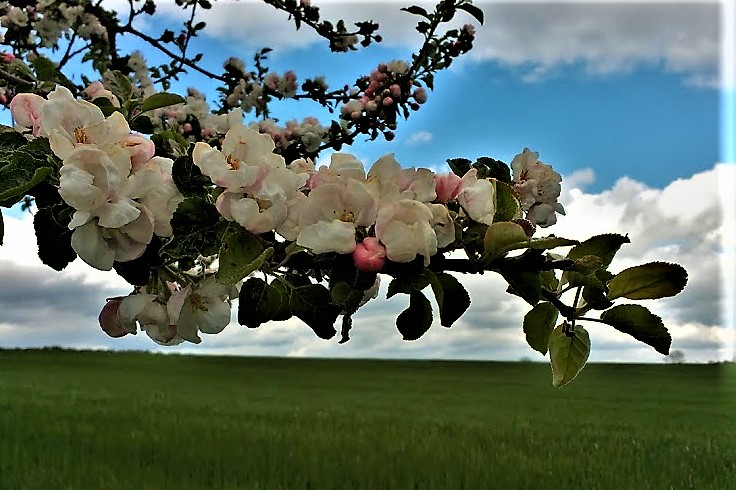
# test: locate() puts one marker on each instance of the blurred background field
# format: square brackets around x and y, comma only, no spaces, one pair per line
[133,420]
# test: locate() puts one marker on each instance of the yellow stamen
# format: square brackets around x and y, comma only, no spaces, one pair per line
[80,136]
[233,162]
[263,204]
[198,302]
[347,216]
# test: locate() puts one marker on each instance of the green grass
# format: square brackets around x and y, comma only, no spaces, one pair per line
[130,420]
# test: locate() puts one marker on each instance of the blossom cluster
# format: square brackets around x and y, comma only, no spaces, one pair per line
[121,193]
[172,316]
[538,187]
[388,213]
[387,87]
[49,20]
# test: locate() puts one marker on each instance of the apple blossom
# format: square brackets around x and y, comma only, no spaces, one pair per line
[331,213]
[477,197]
[404,228]
[203,307]
[539,187]
[70,123]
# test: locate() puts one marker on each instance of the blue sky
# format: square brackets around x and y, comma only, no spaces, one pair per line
[624,100]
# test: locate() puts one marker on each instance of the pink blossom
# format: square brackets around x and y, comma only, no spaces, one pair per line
[369,255]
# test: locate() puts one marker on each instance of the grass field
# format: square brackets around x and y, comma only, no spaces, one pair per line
[131,420]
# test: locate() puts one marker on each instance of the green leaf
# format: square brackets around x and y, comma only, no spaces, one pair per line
[198,229]
[142,124]
[161,99]
[312,305]
[452,298]
[499,237]
[241,253]
[459,166]
[595,298]
[21,174]
[45,68]
[641,324]
[473,10]
[188,178]
[414,321]
[415,281]
[54,236]
[568,353]
[169,144]
[493,168]
[258,303]
[648,281]
[508,207]
[119,85]
[523,280]
[416,10]
[543,243]
[283,312]
[538,325]
[10,142]
[604,246]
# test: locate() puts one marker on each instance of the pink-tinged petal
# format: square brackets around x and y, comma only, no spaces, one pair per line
[133,305]
[369,255]
[78,189]
[328,236]
[447,187]
[117,214]
[346,165]
[88,243]
[216,318]
[27,110]
[111,131]
[141,150]
[289,229]
[79,218]
[442,225]
[176,303]
[163,334]
[478,197]
[187,325]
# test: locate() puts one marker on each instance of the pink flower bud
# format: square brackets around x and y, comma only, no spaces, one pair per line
[369,255]
[447,187]
[420,95]
[388,101]
[395,90]
[110,320]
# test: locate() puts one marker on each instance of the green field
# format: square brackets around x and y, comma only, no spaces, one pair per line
[131,420]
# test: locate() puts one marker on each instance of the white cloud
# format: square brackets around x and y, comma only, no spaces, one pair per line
[419,137]
[688,222]
[538,39]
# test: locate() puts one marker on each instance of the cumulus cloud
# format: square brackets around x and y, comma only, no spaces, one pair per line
[419,137]
[538,39]
[686,222]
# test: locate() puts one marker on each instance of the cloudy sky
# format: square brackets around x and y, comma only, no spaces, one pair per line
[632,103]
